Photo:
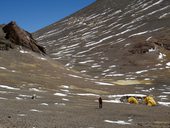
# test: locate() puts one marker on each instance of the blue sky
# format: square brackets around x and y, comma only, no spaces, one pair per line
[33,15]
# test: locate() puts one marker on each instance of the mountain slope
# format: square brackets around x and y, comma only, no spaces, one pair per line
[23,63]
[113,39]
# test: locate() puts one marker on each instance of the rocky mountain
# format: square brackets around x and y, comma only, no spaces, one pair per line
[109,43]
[113,39]
[12,35]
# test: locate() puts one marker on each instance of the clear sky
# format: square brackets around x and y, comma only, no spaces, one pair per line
[33,15]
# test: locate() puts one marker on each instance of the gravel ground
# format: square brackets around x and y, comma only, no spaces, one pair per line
[71,108]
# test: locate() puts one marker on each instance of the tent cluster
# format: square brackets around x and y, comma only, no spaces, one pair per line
[148,100]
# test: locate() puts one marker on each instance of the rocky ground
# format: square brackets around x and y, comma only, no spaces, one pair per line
[69,106]
[66,98]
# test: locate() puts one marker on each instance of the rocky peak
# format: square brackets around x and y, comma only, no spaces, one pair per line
[14,35]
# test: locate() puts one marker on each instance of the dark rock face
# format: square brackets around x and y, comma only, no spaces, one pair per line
[141,48]
[4,44]
[162,41]
[18,36]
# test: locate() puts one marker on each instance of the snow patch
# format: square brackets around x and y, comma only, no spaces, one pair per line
[127,44]
[65,86]
[161,56]
[142,71]
[87,94]
[87,61]
[166,93]
[168,64]
[13,70]
[103,83]
[60,94]
[112,101]
[83,71]
[149,38]
[2,98]
[100,41]
[44,104]
[28,96]
[5,92]
[117,75]
[22,51]
[137,34]
[42,58]
[112,66]
[18,98]
[35,110]
[3,68]
[146,8]
[75,76]
[8,87]
[64,90]
[36,90]
[117,122]
[65,99]
[22,115]
[164,15]
[96,65]
[162,96]
[164,103]
[61,104]
[119,96]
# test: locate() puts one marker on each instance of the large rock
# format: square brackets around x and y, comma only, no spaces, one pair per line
[21,37]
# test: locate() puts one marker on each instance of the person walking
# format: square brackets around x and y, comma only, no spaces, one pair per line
[100,102]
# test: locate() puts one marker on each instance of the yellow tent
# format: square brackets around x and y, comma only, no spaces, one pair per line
[133,100]
[149,100]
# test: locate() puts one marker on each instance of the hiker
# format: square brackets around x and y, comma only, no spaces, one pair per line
[133,100]
[33,96]
[149,100]
[100,102]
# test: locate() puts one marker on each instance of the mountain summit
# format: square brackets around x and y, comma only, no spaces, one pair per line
[112,38]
